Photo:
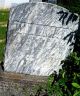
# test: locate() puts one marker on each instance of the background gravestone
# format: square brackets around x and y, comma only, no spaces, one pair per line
[49,1]
[39,37]
[35,1]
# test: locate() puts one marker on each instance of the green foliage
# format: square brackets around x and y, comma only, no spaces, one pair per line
[2,49]
[75,85]
[67,83]
[4,15]
[2,42]
[77,93]
[3,33]
[72,5]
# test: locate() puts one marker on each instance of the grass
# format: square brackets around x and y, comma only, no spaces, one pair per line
[2,32]
[4,15]
[2,49]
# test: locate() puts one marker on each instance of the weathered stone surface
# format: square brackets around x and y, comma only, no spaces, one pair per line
[39,38]
[12,84]
[49,1]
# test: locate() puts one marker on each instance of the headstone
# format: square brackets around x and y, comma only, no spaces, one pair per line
[39,38]
[52,1]
[49,1]
[35,1]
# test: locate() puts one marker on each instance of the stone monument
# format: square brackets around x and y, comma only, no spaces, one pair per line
[38,38]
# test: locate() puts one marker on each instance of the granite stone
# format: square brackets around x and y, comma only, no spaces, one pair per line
[38,38]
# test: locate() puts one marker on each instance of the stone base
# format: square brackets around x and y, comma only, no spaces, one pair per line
[12,84]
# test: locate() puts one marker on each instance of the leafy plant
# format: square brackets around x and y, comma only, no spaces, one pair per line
[67,82]
[77,86]
[72,5]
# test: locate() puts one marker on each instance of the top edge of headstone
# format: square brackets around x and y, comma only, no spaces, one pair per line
[48,1]
[35,1]
[45,3]
[38,1]
[42,3]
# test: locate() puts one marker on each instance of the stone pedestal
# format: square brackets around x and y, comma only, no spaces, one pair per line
[12,84]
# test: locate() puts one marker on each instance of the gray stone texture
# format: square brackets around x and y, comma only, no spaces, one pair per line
[35,1]
[12,84]
[35,38]
[49,1]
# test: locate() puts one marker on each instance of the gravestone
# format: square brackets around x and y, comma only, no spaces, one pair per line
[35,1]
[52,1]
[49,1]
[39,38]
